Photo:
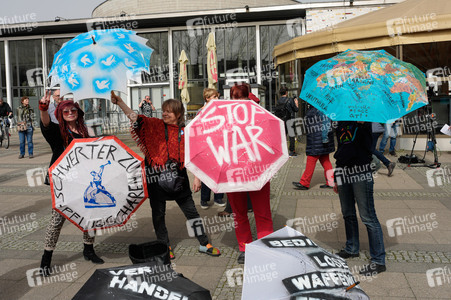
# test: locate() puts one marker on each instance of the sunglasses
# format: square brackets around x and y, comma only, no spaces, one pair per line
[73,110]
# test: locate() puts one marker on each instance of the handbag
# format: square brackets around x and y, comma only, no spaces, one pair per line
[22,126]
[171,179]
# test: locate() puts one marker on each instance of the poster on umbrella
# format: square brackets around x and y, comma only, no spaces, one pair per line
[98,183]
[235,145]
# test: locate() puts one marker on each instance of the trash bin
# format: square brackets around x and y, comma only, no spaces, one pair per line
[151,251]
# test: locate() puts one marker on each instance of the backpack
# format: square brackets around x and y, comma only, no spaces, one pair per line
[281,111]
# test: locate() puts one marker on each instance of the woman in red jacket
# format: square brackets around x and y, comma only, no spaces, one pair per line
[163,140]
[259,199]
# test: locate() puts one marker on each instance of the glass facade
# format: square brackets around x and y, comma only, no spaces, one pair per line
[236,52]
[159,60]
[26,71]
[53,46]
[196,51]
[2,71]
[433,59]
[270,36]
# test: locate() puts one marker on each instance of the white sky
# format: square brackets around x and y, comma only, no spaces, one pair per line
[45,10]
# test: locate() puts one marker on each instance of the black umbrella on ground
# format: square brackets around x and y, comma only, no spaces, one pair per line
[150,280]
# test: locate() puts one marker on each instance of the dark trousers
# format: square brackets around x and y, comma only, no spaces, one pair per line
[188,208]
[291,139]
[205,193]
[378,154]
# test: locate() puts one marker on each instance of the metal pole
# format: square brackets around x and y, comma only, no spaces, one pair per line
[9,95]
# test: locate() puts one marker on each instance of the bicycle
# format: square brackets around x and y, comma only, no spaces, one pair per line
[4,132]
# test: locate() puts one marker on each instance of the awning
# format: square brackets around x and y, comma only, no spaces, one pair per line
[408,22]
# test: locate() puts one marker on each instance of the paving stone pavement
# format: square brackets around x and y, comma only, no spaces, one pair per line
[412,250]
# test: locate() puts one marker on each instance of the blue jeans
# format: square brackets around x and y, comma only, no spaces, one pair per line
[378,154]
[361,192]
[205,193]
[386,136]
[28,136]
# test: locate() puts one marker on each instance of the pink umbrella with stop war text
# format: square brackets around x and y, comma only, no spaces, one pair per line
[235,145]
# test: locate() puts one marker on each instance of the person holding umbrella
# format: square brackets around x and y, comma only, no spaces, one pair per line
[354,184]
[260,200]
[162,141]
[71,126]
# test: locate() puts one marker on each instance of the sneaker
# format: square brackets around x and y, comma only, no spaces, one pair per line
[298,186]
[171,254]
[391,167]
[240,258]
[326,186]
[21,156]
[393,153]
[220,202]
[293,154]
[372,269]
[210,250]
[344,254]
[30,156]
[204,204]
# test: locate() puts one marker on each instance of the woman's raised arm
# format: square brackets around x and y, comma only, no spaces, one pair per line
[127,110]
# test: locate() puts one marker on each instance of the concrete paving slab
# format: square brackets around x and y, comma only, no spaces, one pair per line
[407,193]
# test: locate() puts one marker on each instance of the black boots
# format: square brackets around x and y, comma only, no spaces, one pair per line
[89,254]
[45,263]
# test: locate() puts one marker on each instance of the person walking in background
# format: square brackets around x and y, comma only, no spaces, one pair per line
[146,107]
[391,131]
[377,130]
[163,143]
[354,184]
[286,109]
[320,142]
[25,117]
[205,192]
[260,200]
[71,125]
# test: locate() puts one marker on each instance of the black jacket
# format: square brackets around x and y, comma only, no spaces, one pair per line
[290,105]
[320,138]
[5,109]
[354,144]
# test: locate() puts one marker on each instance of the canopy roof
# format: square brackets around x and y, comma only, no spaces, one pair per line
[408,22]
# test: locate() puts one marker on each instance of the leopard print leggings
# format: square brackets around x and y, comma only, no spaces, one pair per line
[53,232]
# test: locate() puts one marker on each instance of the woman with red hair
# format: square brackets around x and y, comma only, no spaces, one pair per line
[259,199]
[71,126]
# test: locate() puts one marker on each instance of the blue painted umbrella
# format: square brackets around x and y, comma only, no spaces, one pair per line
[96,62]
[371,86]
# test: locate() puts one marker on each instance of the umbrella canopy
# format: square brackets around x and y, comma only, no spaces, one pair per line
[212,61]
[96,62]
[408,22]
[371,86]
[235,145]
[141,281]
[287,264]
[98,183]
[183,77]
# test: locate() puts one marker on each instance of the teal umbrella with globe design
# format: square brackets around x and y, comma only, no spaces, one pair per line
[96,62]
[371,86]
